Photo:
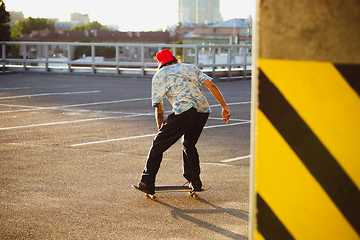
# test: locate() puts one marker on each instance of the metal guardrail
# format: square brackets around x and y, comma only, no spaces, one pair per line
[218,60]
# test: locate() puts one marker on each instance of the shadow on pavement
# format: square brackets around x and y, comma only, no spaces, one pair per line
[184,214]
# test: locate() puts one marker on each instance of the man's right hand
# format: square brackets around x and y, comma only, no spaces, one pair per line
[226,113]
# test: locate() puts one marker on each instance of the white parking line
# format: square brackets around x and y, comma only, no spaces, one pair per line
[218,164]
[95,119]
[226,125]
[66,122]
[36,108]
[19,106]
[230,104]
[112,140]
[235,159]
[14,88]
[100,103]
[33,108]
[148,135]
[231,119]
[47,94]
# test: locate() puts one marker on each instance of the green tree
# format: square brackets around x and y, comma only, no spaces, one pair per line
[107,52]
[89,26]
[179,51]
[97,26]
[83,50]
[4,20]
[4,26]
[80,27]
[31,24]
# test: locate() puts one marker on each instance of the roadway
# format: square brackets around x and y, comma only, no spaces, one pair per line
[71,147]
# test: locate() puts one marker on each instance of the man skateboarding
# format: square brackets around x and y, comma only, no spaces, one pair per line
[181,84]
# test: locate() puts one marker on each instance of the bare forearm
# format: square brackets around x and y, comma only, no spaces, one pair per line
[218,96]
[159,115]
[225,113]
[159,118]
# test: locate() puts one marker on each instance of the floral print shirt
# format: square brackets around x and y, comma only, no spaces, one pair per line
[181,84]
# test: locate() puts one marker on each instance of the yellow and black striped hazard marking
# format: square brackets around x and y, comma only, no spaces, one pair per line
[307,170]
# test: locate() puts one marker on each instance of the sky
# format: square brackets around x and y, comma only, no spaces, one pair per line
[129,15]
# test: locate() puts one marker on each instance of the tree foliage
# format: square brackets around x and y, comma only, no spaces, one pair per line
[4,20]
[179,51]
[30,24]
[106,52]
[89,26]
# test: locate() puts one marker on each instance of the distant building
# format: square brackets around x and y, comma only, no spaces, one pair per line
[15,17]
[233,31]
[80,18]
[199,11]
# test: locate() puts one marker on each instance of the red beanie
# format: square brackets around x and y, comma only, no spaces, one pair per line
[164,56]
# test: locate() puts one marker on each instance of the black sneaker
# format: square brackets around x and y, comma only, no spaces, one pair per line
[196,185]
[146,187]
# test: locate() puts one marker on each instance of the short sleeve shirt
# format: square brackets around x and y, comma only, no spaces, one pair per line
[181,84]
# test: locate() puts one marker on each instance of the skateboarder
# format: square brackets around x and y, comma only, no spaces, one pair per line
[181,84]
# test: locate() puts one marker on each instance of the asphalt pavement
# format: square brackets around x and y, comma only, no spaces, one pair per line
[72,146]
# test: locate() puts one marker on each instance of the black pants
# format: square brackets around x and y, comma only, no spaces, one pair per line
[189,125]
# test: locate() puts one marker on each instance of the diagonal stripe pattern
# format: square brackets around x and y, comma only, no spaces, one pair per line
[268,224]
[308,164]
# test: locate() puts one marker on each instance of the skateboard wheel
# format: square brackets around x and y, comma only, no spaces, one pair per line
[152,197]
[195,196]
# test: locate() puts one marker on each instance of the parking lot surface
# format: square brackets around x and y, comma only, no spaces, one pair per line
[72,146]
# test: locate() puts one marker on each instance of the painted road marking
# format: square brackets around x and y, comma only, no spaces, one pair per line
[130,115]
[37,108]
[65,122]
[112,140]
[14,88]
[230,104]
[47,94]
[235,159]
[148,135]
[226,125]
[33,108]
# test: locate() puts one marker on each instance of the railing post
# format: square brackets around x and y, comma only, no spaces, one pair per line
[3,51]
[117,60]
[196,60]
[24,56]
[69,58]
[3,56]
[93,58]
[229,62]
[142,60]
[244,75]
[213,60]
[46,58]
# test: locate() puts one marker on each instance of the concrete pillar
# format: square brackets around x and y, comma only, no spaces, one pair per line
[310,30]
[305,168]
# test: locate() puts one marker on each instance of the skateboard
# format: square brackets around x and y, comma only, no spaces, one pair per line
[164,189]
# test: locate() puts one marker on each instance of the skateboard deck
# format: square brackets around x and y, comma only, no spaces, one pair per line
[163,189]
